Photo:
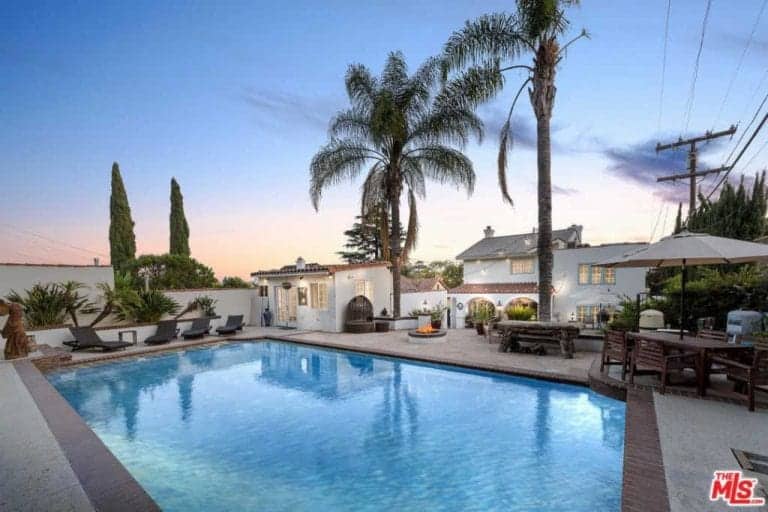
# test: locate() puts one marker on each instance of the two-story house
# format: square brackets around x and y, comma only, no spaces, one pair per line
[503,271]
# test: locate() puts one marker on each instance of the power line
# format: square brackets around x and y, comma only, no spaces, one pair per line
[52,240]
[741,61]
[741,153]
[744,132]
[692,92]
[664,65]
[759,150]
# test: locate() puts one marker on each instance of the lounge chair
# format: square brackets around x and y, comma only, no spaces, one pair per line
[234,323]
[200,327]
[166,331]
[86,338]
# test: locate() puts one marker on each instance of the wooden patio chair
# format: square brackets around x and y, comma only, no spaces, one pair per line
[749,372]
[710,334]
[616,351]
[653,356]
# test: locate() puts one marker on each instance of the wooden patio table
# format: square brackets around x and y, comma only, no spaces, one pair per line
[701,346]
[560,332]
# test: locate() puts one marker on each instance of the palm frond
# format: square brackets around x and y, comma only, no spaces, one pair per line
[505,141]
[354,123]
[361,86]
[394,77]
[474,86]
[412,233]
[485,41]
[339,160]
[446,165]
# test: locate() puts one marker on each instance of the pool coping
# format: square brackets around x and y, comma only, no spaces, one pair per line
[106,482]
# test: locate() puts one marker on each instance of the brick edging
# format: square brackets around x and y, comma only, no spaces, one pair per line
[106,482]
[644,486]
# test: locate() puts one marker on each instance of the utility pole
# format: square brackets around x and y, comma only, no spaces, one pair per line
[692,173]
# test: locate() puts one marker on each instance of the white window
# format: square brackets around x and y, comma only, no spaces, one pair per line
[318,295]
[597,275]
[522,266]
[583,273]
[609,276]
[365,288]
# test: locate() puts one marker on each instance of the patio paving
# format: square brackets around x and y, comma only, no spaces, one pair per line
[696,440]
[36,473]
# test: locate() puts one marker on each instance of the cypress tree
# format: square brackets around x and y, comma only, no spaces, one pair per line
[179,226]
[679,219]
[122,241]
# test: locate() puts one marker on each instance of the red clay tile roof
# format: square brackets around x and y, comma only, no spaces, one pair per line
[314,268]
[413,285]
[496,288]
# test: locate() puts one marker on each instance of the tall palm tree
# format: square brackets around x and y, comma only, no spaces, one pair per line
[494,43]
[403,130]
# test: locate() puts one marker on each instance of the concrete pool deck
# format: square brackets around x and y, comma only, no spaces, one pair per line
[692,436]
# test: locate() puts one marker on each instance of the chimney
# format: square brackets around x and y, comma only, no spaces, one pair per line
[300,263]
[95,262]
[534,229]
[488,232]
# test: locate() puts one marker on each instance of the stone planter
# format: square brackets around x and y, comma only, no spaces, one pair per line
[436,324]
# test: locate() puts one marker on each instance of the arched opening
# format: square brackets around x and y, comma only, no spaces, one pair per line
[473,306]
[521,308]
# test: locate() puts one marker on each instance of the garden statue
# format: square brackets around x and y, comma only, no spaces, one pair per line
[16,342]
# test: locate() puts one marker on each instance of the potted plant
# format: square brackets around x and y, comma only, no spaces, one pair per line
[483,315]
[437,316]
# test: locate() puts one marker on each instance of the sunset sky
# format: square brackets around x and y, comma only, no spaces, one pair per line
[234,98]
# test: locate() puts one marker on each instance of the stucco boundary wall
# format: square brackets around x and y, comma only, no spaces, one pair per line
[229,301]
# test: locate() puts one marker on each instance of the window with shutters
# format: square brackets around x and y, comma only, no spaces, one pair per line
[318,295]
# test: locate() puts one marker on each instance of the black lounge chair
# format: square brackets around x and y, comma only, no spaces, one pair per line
[234,323]
[166,331]
[200,327]
[86,338]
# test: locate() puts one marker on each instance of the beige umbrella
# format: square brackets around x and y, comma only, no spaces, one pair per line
[685,249]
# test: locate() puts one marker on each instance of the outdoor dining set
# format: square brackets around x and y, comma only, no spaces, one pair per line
[743,361]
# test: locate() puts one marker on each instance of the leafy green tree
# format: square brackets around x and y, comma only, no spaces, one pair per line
[494,43]
[179,227]
[122,241]
[235,282]
[404,130]
[736,213]
[679,219]
[453,274]
[172,271]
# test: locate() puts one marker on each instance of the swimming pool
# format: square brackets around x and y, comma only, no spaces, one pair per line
[279,426]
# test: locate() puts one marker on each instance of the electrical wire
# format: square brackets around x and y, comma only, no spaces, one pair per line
[664,64]
[692,92]
[52,240]
[740,62]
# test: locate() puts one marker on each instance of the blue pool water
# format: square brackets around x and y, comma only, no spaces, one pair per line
[276,426]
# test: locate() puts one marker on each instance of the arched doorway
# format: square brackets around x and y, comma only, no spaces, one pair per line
[521,308]
[473,305]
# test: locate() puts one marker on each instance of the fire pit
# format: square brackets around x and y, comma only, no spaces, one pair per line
[426,334]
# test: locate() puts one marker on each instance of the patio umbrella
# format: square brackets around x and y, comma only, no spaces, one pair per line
[685,249]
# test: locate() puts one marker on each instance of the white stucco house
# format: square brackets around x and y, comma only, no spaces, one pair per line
[503,270]
[314,296]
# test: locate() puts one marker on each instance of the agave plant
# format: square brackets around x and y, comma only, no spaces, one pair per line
[123,291]
[50,304]
[145,306]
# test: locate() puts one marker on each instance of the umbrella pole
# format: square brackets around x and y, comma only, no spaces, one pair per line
[684,279]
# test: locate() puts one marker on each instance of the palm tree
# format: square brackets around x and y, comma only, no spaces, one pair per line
[494,43]
[403,130]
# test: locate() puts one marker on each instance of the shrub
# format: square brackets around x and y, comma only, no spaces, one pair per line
[50,304]
[172,272]
[520,313]
[484,313]
[235,282]
[145,306]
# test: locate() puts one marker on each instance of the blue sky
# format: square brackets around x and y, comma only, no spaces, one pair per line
[233,99]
